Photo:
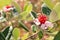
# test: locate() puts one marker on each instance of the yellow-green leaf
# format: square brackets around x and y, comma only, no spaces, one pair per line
[23,15]
[29,8]
[29,18]
[4,3]
[17,6]
[57,9]
[55,14]
[25,36]
[49,3]
[16,33]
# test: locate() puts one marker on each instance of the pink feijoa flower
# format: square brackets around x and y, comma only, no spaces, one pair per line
[46,25]
[36,21]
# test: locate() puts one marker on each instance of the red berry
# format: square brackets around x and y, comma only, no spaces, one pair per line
[8,6]
[42,19]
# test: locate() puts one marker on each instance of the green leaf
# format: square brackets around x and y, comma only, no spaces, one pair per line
[5,31]
[57,37]
[16,33]
[4,3]
[4,14]
[33,15]
[34,28]
[40,34]
[45,9]
[2,36]
[49,3]
[23,26]
[16,6]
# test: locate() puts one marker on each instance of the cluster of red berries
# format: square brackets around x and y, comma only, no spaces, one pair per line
[42,19]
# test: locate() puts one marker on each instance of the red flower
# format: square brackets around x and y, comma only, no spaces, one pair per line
[8,6]
[42,19]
